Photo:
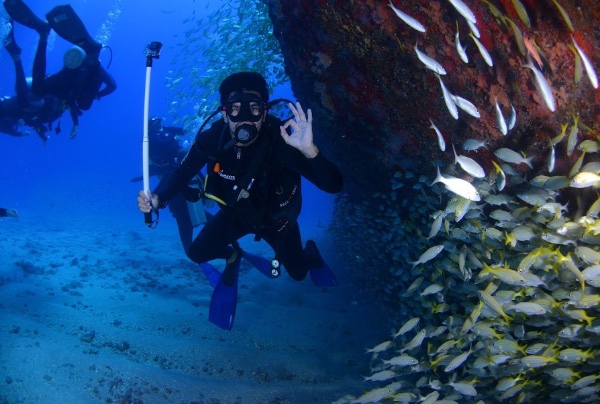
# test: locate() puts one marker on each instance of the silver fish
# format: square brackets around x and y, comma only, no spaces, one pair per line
[408,19]
[458,186]
[466,106]
[511,156]
[484,53]
[500,122]
[512,118]
[474,144]
[589,69]
[464,10]
[459,48]
[428,255]
[440,138]
[430,62]
[469,165]
[542,86]
[448,99]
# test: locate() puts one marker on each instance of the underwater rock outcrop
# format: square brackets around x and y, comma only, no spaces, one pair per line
[355,64]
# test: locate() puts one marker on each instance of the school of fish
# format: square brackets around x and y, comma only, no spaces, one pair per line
[503,303]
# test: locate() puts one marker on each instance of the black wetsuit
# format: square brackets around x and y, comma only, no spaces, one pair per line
[76,87]
[275,169]
[165,156]
[3,212]
[26,109]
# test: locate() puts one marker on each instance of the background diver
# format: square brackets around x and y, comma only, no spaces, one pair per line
[80,80]
[254,167]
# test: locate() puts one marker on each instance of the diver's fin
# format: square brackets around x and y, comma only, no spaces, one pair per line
[69,26]
[21,13]
[320,273]
[262,264]
[211,274]
[224,301]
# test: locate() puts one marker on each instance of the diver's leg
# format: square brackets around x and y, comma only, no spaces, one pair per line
[39,67]
[20,81]
[288,250]
[214,239]
[179,209]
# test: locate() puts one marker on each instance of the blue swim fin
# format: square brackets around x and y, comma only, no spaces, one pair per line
[211,273]
[224,300]
[320,273]
[262,264]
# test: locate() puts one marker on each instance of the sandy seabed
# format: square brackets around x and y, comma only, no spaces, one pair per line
[118,314]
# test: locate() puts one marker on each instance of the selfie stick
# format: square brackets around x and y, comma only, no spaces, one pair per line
[152,52]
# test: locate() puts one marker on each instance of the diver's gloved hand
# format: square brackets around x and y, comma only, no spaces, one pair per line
[73,132]
[145,205]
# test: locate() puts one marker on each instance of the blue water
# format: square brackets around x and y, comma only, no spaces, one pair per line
[88,177]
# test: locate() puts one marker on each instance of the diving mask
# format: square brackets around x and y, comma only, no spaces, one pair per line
[245,107]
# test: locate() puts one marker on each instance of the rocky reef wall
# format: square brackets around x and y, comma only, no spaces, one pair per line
[354,63]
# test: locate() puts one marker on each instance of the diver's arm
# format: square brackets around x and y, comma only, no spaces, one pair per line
[176,180]
[110,84]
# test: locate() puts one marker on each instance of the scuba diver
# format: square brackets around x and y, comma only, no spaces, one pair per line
[78,83]
[166,154]
[25,109]
[254,165]
[8,213]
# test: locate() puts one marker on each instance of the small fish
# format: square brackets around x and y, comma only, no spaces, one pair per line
[474,144]
[428,255]
[501,182]
[408,19]
[484,53]
[450,104]
[409,325]
[511,156]
[458,186]
[440,138]
[493,304]
[573,136]
[529,308]
[512,118]
[543,87]
[402,360]
[589,69]
[464,10]
[468,164]
[413,286]
[578,69]
[457,361]
[381,347]
[518,35]
[415,342]
[459,48]
[585,179]
[558,138]
[521,12]
[377,395]
[432,289]
[551,159]
[380,376]
[474,29]
[466,106]
[564,15]
[536,361]
[500,122]
[430,62]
